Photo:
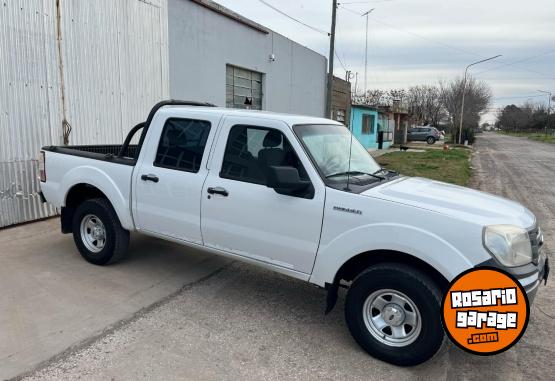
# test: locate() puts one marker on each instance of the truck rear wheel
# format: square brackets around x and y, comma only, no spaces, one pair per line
[98,233]
[394,313]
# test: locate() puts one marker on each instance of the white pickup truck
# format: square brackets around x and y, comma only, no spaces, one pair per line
[300,196]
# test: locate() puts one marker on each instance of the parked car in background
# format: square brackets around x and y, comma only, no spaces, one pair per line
[424,134]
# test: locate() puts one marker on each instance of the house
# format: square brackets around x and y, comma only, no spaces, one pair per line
[87,71]
[368,123]
[341,101]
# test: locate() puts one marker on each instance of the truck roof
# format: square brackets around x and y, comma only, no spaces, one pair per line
[289,119]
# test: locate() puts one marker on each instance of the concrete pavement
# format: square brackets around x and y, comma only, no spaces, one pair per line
[52,299]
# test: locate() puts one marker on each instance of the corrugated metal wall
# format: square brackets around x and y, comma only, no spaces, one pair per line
[114,57]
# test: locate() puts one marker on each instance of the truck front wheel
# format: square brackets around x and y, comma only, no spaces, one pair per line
[98,233]
[393,312]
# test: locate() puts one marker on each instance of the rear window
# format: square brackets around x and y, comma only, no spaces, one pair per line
[182,144]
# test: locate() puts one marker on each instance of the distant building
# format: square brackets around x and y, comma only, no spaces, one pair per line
[368,123]
[341,101]
[372,123]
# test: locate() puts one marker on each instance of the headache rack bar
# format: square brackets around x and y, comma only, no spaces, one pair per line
[145,125]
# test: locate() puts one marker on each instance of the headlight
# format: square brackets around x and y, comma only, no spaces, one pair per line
[509,244]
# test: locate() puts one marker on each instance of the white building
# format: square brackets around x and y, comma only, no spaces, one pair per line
[101,65]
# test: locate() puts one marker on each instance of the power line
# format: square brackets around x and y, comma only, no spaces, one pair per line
[336,52]
[523,96]
[293,18]
[339,59]
[519,61]
[546,76]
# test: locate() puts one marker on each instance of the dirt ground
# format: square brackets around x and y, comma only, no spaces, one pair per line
[246,323]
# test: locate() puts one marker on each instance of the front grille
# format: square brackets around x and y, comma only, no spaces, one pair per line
[536,241]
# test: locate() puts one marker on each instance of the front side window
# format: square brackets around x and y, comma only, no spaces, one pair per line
[182,144]
[251,150]
[329,147]
[243,88]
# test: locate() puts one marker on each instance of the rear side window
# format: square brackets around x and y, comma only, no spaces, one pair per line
[182,144]
[251,150]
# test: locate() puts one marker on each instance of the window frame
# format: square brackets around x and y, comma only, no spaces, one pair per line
[263,128]
[155,164]
[234,105]
[370,125]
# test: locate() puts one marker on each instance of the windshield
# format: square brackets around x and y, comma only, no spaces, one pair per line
[329,146]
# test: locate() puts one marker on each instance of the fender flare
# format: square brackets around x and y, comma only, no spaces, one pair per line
[95,177]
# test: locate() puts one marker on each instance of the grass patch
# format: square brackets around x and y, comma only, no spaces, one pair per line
[451,166]
[532,135]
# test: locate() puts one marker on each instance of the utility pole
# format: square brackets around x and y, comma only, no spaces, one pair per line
[366,51]
[330,59]
[464,91]
[550,95]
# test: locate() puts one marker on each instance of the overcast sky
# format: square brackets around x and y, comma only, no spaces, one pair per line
[414,42]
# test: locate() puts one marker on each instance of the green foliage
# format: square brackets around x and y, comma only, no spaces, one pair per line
[527,117]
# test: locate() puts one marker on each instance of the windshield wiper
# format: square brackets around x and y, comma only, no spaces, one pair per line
[354,173]
[387,171]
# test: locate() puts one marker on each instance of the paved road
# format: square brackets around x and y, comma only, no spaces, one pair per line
[247,323]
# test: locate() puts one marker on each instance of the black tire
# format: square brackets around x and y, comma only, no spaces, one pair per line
[430,140]
[420,289]
[116,237]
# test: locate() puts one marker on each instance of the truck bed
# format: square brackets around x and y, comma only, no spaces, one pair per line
[105,152]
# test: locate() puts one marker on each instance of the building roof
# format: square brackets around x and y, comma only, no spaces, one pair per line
[367,107]
[213,6]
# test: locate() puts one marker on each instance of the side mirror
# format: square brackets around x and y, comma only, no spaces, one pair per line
[285,179]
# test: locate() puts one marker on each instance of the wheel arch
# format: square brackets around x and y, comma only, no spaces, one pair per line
[358,263]
[76,195]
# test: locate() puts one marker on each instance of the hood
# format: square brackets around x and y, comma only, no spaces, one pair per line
[454,201]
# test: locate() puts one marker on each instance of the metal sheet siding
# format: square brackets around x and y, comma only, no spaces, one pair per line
[28,104]
[115,67]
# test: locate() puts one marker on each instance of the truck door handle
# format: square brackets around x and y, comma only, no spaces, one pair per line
[218,190]
[152,178]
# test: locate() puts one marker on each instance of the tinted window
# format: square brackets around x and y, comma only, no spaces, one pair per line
[182,144]
[251,150]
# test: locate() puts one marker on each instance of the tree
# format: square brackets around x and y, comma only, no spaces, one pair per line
[476,101]
[424,104]
[526,117]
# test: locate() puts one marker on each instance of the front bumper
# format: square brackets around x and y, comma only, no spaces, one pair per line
[530,276]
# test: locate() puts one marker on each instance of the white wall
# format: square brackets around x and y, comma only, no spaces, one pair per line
[202,42]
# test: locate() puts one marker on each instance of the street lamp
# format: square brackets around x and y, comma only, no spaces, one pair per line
[548,108]
[464,90]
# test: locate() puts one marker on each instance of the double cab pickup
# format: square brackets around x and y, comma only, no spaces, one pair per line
[300,196]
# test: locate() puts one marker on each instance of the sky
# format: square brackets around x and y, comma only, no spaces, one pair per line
[413,42]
